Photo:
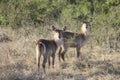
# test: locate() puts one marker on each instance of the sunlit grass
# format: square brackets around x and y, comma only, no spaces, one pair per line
[17,62]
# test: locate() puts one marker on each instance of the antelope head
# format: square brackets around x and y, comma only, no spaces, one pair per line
[58,35]
[86,27]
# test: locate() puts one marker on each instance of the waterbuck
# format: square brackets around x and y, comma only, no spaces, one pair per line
[48,48]
[75,40]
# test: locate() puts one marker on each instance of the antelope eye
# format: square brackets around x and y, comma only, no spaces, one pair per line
[86,26]
[59,36]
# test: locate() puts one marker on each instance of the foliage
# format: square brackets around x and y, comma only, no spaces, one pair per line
[23,13]
[32,12]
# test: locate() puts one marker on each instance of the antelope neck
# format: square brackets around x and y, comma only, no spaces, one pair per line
[59,42]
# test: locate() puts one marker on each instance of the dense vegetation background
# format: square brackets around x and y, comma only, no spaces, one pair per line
[30,12]
[23,21]
[39,13]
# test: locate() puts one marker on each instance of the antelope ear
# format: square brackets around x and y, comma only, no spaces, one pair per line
[90,20]
[64,28]
[53,28]
[82,21]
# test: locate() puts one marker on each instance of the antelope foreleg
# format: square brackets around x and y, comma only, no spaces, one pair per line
[78,52]
[59,53]
[53,60]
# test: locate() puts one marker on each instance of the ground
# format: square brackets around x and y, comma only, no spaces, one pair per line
[17,61]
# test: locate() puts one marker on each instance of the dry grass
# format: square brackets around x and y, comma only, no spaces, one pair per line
[17,60]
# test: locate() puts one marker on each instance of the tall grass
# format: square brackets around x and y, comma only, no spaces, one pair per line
[17,59]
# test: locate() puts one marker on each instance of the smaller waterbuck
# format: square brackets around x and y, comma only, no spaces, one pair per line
[48,48]
[75,40]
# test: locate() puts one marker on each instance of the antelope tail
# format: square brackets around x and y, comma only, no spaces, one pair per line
[43,46]
[38,56]
[38,52]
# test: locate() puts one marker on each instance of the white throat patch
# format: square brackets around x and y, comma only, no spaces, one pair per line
[83,29]
[58,40]
[56,36]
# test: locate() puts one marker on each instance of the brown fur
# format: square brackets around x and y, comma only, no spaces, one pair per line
[51,47]
[75,40]
[48,48]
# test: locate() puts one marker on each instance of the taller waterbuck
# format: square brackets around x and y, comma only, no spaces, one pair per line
[48,48]
[75,40]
